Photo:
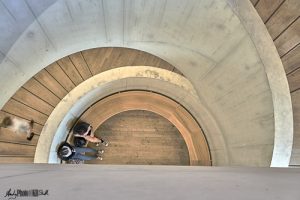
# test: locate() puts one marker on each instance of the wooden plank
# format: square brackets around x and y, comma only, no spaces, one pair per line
[7,135]
[95,58]
[130,144]
[33,101]
[266,8]
[71,71]
[283,17]
[289,39]
[48,81]
[16,108]
[294,80]
[9,149]
[15,160]
[37,128]
[41,91]
[55,70]
[291,61]
[121,57]
[81,65]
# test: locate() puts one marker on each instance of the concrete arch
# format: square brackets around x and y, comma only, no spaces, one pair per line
[122,79]
[172,111]
[249,98]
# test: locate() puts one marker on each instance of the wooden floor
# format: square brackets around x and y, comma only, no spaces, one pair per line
[141,137]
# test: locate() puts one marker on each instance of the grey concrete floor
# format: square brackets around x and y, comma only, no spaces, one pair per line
[150,182]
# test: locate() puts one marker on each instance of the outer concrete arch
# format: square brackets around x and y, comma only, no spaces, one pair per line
[249,98]
[120,79]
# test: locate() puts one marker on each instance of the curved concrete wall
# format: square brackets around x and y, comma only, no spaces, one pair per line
[218,45]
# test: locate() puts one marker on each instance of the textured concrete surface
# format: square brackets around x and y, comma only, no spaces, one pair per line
[219,45]
[151,182]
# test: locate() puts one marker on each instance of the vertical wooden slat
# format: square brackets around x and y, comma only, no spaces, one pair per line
[15,160]
[41,91]
[294,80]
[95,58]
[55,70]
[48,81]
[289,39]
[16,149]
[283,17]
[68,67]
[33,101]
[291,61]
[266,8]
[81,65]
[16,108]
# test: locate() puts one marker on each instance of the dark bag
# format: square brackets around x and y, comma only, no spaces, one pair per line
[79,141]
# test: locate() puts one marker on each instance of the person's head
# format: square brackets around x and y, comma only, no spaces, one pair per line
[81,128]
[64,152]
[6,122]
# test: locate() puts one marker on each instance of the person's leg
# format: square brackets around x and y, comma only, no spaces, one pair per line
[85,150]
[30,133]
[84,157]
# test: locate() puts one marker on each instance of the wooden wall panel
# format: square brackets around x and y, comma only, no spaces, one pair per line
[29,99]
[15,160]
[41,91]
[95,58]
[294,80]
[9,149]
[16,108]
[291,61]
[72,72]
[7,135]
[283,17]
[55,70]
[266,8]
[48,81]
[81,65]
[141,137]
[289,39]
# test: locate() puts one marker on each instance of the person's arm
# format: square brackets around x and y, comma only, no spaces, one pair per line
[92,139]
[92,132]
